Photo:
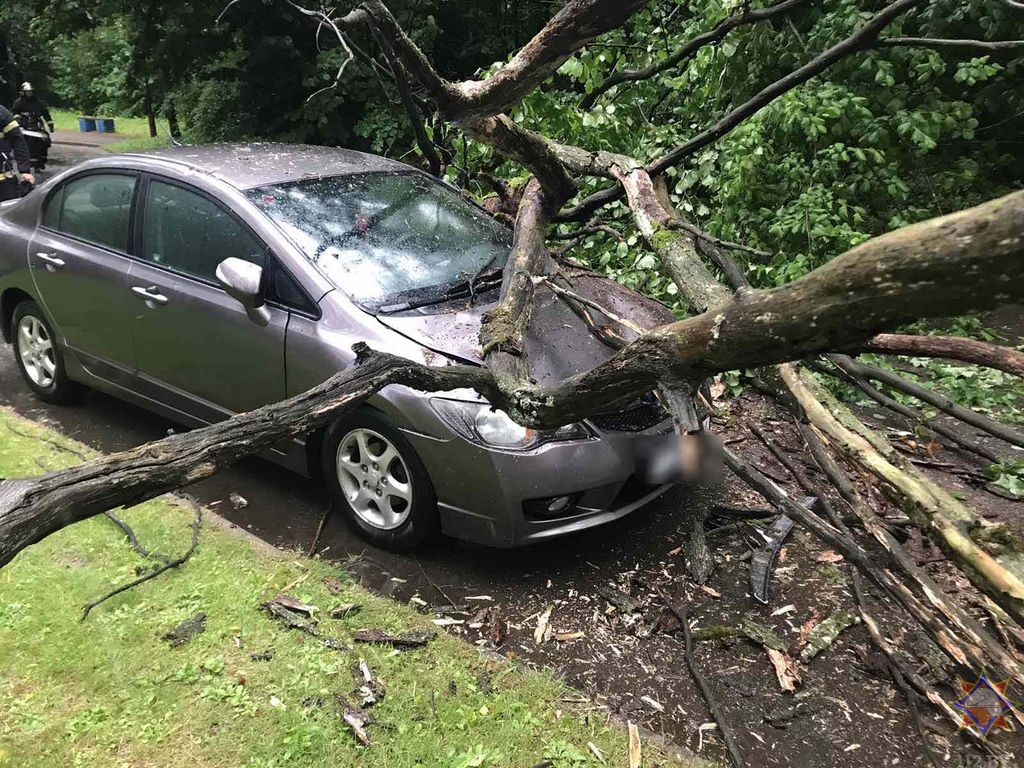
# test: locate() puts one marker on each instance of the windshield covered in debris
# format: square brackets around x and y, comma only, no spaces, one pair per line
[390,241]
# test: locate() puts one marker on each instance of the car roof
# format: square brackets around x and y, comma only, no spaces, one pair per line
[257,164]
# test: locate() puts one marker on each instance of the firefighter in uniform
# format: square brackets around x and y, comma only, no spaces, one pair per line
[15,165]
[28,103]
[32,113]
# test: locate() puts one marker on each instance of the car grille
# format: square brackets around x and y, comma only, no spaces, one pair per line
[642,415]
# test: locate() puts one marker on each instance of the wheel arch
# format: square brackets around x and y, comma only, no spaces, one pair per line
[9,300]
[315,440]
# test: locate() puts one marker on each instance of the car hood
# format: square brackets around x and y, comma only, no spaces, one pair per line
[559,342]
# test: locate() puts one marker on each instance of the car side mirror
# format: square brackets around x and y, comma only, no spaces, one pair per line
[243,281]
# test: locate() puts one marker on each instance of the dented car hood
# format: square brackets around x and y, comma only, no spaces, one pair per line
[559,343]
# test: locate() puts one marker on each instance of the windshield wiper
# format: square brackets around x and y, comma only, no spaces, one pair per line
[479,273]
[468,288]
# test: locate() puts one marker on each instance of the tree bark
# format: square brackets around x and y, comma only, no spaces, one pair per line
[933,509]
[1006,359]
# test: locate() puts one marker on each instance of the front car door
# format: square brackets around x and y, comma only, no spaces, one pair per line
[196,349]
[79,263]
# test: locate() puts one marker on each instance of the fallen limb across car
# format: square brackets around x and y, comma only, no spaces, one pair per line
[951,263]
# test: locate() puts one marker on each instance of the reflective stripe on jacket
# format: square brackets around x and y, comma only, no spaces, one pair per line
[14,157]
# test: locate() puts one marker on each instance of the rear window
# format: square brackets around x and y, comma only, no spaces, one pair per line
[96,208]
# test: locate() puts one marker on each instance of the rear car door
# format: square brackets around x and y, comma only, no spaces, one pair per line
[195,347]
[79,263]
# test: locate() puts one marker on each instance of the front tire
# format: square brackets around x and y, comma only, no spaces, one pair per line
[38,357]
[378,482]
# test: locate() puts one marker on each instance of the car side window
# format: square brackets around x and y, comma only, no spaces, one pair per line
[186,232]
[96,208]
[51,210]
[284,290]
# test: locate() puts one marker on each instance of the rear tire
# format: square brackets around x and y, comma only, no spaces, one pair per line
[39,358]
[378,482]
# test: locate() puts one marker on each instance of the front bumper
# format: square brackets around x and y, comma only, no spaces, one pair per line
[481,492]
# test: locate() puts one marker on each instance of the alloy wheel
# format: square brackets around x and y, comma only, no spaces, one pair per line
[36,350]
[375,479]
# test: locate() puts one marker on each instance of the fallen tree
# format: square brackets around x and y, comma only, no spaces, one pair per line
[751,327]
[968,260]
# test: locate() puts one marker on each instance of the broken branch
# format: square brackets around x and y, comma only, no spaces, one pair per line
[166,566]
[1006,359]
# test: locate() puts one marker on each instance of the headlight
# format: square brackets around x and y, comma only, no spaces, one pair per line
[485,425]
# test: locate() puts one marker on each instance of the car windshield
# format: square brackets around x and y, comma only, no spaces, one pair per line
[389,240]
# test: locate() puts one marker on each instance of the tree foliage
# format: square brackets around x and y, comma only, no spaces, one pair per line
[887,137]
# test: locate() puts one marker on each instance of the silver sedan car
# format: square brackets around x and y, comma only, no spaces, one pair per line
[199,282]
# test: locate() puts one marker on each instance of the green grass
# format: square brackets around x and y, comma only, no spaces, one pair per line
[127,127]
[139,145]
[109,692]
[134,131]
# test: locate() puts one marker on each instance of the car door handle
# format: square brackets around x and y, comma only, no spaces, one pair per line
[52,262]
[151,293]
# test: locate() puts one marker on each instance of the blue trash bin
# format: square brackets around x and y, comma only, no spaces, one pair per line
[86,124]
[105,125]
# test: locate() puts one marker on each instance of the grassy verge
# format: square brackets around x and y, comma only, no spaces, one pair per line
[110,692]
[134,131]
[139,145]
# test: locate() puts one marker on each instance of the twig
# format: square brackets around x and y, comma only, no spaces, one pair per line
[727,528]
[934,42]
[319,530]
[700,234]
[589,229]
[49,441]
[783,459]
[445,595]
[567,294]
[709,698]
[324,19]
[603,333]
[159,569]
[133,540]
[742,512]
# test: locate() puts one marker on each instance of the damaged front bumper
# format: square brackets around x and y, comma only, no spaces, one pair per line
[503,499]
